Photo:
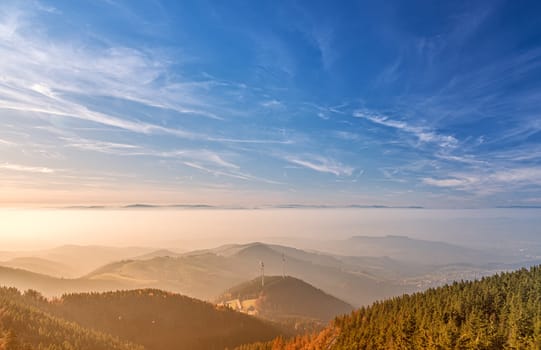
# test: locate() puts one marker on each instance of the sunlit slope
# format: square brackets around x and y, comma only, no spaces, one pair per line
[202,275]
[53,286]
[70,261]
[157,254]
[41,266]
[498,312]
[23,325]
[287,297]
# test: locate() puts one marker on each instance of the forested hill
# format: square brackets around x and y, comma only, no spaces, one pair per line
[498,312]
[152,319]
[23,326]
[288,297]
[161,320]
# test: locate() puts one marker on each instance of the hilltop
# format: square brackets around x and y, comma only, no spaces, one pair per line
[284,299]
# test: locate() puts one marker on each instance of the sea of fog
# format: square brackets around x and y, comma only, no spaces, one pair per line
[186,229]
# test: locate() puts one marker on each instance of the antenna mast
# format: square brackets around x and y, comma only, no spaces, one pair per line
[283,265]
[262,265]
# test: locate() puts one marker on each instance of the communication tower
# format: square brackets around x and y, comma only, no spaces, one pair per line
[262,266]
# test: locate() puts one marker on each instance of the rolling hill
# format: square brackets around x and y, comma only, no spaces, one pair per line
[41,266]
[206,274]
[157,254]
[498,312]
[69,261]
[284,299]
[53,286]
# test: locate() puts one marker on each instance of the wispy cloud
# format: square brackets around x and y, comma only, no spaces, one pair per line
[33,62]
[42,78]
[201,159]
[124,149]
[466,159]
[390,73]
[323,38]
[26,168]
[346,135]
[489,182]
[102,146]
[6,142]
[423,118]
[423,134]
[204,156]
[230,173]
[322,165]
[272,104]
[448,182]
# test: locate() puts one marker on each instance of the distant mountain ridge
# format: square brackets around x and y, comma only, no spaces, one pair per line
[207,273]
[406,249]
[268,206]
[358,270]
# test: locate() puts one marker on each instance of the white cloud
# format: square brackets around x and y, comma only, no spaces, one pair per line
[461,159]
[26,168]
[423,134]
[6,142]
[102,146]
[272,104]
[124,149]
[488,182]
[445,182]
[41,76]
[346,135]
[322,165]
[229,173]
[518,175]
[199,156]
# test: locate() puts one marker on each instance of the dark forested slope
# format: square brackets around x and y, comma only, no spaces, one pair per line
[23,326]
[498,312]
[151,319]
[160,320]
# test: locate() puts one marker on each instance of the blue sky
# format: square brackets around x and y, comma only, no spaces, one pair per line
[425,103]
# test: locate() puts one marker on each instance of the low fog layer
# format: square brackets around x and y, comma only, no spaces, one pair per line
[187,229]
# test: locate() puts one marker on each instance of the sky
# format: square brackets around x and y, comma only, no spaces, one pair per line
[418,103]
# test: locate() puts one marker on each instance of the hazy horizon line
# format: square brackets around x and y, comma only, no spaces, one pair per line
[205,206]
